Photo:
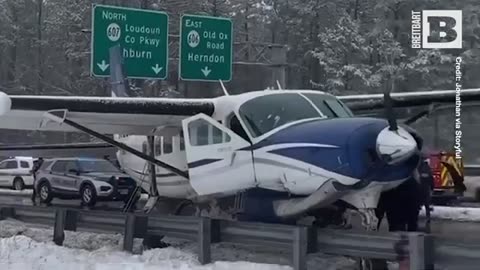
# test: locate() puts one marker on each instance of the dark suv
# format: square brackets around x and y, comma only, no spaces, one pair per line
[89,179]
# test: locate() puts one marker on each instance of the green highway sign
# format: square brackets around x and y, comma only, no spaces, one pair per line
[205,48]
[143,38]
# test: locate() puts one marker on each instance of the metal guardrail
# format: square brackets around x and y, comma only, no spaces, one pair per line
[471,170]
[417,250]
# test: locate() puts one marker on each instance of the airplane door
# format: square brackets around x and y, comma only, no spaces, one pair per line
[219,161]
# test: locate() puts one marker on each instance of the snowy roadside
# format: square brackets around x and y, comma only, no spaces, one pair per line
[24,248]
[467,214]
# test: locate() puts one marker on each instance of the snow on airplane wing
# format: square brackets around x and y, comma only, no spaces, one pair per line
[92,149]
[107,115]
[409,99]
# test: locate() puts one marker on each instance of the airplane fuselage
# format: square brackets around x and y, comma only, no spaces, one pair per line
[303,143]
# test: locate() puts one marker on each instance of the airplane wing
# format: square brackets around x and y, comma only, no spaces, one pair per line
[359,103]
[94,149]
[105,115]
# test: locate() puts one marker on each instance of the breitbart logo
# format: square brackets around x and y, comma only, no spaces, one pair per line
[437,29]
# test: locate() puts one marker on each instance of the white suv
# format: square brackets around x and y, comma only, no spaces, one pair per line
[16,173]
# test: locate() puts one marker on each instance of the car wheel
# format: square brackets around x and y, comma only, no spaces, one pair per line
[45,192]
[88,195]
[18,184]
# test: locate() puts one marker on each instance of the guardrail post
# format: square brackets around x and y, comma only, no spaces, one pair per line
[420,247]
[135,227]
[312,239]
[204,240]
[58,229]
[300,236]
[129,234]
[7,212]
[215,231]
[71,218]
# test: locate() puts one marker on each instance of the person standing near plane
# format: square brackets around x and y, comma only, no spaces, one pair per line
[36,166]
[426,188]
[402,204]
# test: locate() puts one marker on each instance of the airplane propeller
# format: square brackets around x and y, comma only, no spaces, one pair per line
[388,102]
[394,144]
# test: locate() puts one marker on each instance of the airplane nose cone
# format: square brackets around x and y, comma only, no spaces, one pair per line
[395,146]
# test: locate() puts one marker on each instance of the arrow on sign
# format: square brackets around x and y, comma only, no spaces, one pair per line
[103,66]
[157,69]
[206,71]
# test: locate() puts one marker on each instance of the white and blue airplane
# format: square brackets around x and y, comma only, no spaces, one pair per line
[266,155]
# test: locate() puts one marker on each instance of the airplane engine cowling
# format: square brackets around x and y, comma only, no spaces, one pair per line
[396,146]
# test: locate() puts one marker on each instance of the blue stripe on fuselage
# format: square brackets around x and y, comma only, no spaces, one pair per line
[202,162]
[356,142]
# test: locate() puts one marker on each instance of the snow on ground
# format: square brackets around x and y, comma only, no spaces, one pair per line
[454,213]
[23,248]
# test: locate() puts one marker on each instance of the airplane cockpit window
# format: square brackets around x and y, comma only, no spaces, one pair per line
[265,113]
[203,133]
[329,106]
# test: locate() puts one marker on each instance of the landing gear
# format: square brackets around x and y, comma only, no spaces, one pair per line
[370,223]
[369,219]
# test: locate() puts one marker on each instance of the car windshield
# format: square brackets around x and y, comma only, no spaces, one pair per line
[97,166]
[265,113]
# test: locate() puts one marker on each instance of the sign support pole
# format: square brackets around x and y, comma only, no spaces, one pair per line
[120,86]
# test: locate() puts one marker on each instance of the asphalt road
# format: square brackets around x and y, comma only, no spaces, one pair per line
[23,198]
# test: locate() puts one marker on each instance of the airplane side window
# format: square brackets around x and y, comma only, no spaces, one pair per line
[167,145]
[202,135]
[205,133]
[217,135]
[144,147]
[158,146]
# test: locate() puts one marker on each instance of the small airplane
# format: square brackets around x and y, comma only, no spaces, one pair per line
[266,155]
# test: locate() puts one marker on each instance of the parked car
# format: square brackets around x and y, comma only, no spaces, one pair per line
[88,179]
[16,173]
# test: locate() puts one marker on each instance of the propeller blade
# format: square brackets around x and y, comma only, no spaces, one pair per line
[416,117]
[388,103]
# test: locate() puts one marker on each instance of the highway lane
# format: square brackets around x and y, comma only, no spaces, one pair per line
[23,198]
